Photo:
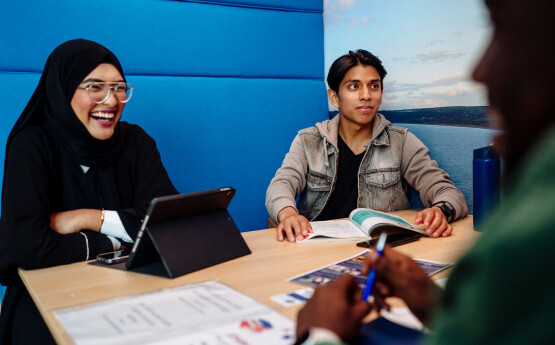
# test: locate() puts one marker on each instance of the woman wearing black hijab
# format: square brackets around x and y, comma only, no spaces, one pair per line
[77,181]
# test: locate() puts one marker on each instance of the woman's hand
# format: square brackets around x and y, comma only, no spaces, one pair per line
[69,222]
[398,275]
[435,222]
[292,224]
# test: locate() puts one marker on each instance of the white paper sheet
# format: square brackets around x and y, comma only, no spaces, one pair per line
[293,298]
[403,317]
[207,313]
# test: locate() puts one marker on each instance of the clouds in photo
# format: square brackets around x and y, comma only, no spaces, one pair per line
[428,47]
[395,86]
[449,91]
[439,55]
[336,12]
[429,57]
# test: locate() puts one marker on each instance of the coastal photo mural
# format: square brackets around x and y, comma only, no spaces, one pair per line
[429,48]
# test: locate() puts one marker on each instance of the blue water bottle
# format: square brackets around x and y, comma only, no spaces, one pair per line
[486,177]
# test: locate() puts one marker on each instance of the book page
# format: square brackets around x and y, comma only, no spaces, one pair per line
[334,229]
[368,220]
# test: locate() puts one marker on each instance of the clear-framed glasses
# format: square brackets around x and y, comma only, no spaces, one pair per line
[100,91]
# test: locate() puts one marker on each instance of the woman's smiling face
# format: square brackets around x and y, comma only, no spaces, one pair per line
[99,119]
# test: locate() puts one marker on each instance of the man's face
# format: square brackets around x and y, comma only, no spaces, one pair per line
[359,96]
[516,69]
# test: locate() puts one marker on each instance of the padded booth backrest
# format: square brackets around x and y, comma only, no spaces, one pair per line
[222,86]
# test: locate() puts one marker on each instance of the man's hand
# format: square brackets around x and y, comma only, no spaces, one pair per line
[337,306]
[398,275]
[292,224]
[435,222]
[70,222]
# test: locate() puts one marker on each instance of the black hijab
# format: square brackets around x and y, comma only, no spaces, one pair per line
[126,169]
[65,69]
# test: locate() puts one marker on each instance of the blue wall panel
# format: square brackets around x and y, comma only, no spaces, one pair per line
[210,132]
[232,132]
[168,37]
[222,86]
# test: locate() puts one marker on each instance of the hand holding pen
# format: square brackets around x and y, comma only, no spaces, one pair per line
[372,273]
[397,275]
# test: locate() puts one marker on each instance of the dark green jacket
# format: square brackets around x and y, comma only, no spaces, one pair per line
[503,289]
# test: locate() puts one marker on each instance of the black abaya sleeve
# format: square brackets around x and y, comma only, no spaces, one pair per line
[27,201]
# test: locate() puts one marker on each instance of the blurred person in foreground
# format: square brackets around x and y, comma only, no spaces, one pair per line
[501,291]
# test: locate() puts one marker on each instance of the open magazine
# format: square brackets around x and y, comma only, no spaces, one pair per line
[362,223]
[353,266]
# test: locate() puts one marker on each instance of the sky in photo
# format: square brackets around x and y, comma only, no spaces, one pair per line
[428,47]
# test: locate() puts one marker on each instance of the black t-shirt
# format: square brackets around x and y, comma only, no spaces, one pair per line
[344,197]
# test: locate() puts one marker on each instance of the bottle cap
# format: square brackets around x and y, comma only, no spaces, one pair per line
[484,153]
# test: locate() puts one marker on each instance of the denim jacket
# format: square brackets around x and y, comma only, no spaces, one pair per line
[394,159]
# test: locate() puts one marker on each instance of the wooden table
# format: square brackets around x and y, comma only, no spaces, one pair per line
[259,275]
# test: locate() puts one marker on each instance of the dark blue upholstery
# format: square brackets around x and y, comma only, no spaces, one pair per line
[222,86]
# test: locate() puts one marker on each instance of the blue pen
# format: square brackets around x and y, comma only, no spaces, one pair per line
[372,274]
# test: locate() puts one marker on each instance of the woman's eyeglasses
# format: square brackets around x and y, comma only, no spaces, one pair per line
[100,91]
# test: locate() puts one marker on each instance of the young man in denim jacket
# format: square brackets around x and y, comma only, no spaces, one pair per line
[358,159]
